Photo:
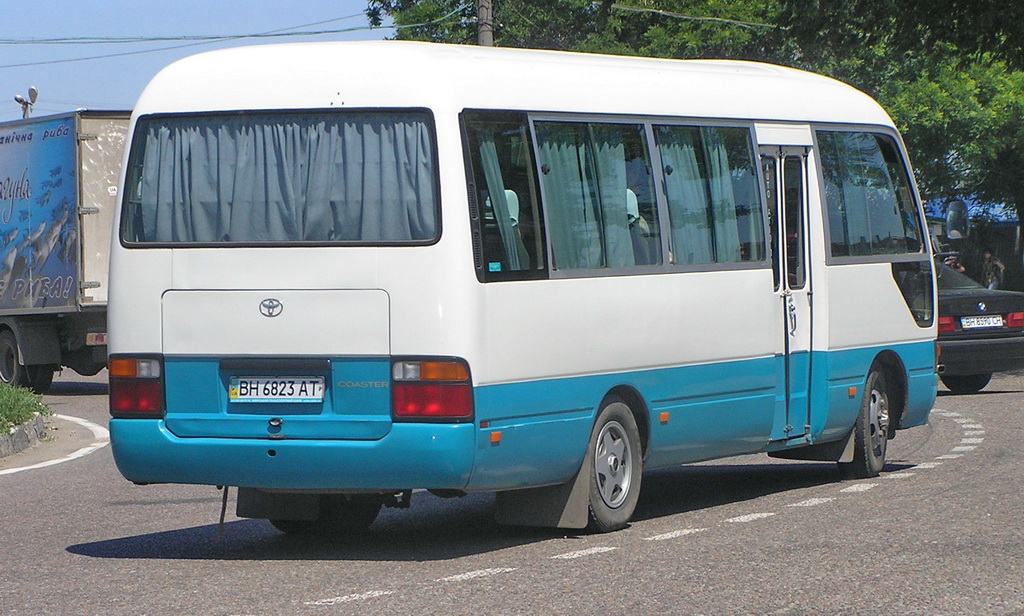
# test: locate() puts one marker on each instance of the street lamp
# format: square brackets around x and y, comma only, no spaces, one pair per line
[26,105]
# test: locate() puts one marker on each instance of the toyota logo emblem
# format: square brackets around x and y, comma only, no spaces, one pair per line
[271,307]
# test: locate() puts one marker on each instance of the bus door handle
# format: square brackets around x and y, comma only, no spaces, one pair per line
[792,316]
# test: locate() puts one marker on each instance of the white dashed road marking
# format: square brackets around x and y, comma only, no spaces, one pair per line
[750,517]
[581,553]
[812,502]
[674,534]
[472,575]
[860,487]
[350,598]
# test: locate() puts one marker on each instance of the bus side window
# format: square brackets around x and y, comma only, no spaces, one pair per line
[599,195]
[503,188]
[871,209]
[714,203]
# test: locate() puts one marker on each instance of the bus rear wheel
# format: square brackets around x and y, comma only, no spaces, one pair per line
[616,467]
[871,432]
[340,514]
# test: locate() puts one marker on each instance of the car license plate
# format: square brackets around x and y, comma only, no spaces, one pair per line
[276,389]
[978,322]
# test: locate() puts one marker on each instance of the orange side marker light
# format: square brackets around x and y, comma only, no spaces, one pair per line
[496,437]
[663,418]
[852,392]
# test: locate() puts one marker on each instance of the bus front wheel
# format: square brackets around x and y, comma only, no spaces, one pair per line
[871,432]
[616,467]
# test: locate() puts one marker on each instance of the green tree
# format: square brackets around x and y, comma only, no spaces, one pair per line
[958,104]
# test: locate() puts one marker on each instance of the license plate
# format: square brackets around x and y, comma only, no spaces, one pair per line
[978,322]
[276,389]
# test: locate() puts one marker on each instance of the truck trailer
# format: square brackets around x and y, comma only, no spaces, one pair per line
[58,186]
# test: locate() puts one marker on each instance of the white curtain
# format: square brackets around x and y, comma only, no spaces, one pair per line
[583,172]
[345,177]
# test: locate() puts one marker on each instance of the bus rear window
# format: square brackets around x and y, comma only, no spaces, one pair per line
[350,177]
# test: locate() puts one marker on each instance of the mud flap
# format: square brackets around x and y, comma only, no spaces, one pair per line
[563,506]
[832,451]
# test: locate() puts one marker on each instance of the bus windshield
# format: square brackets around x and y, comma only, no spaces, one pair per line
[282,178]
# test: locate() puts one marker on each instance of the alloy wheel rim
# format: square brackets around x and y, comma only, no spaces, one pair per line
[878,415]
[613,464]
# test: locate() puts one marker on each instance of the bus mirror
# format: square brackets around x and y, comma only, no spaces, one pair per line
[957,227]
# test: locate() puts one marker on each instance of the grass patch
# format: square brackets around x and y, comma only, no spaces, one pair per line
[18,405]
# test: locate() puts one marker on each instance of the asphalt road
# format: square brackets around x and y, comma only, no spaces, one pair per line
[940,532]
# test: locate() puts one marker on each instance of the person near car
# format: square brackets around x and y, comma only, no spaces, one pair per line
[991,269]
[953,262]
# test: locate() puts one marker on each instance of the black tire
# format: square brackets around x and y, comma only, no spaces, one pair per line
[966,383]
[340,514]
[616,467]
[12,372]
[871,432]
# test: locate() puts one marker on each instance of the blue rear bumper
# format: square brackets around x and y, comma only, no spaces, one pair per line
[411,456]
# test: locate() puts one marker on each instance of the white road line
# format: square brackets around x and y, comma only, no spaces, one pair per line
[965,448]
[901,475]
[972,441]
[674,534]
[972,426]
[102,439]
[927,465]
[350,598]
[860,487]
[973,432]
[750,517]
[472,575]
[962,420]
[812,502]
[949,456]
[581,553]
[945,413]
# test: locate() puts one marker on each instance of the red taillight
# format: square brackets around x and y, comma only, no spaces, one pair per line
[946,324]
[1015,319]
[136,388]
[433,401]
[431,390]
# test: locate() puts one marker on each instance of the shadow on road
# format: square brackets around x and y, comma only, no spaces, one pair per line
[78,388]
[441,529]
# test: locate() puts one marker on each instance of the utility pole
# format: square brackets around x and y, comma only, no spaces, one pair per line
[484,24]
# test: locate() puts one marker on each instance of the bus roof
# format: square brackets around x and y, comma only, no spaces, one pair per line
[454,77]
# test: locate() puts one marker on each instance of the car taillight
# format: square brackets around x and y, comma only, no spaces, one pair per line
[431,391]
[946,324]
[1015,319]
[136,387]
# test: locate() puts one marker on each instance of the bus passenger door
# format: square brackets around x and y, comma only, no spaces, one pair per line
[785,174]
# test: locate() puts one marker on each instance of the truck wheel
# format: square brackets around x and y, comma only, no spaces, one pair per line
[40,377]
[616,468]
[12,372]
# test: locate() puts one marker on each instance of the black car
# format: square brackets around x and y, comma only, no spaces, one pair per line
[980,331]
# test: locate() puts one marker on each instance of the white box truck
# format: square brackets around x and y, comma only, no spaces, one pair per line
[58,187]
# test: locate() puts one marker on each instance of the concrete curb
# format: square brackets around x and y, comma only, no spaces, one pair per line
[22,437]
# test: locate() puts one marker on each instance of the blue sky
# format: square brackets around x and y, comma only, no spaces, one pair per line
[116,82]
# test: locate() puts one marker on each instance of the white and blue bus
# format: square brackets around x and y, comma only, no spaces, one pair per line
[347,271]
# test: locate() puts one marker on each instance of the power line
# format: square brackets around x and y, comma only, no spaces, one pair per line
[113,40]
[272,33]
